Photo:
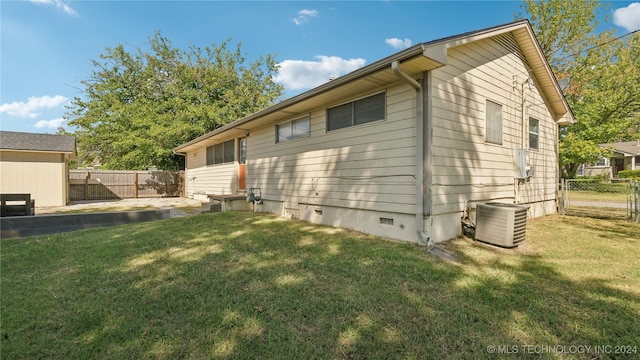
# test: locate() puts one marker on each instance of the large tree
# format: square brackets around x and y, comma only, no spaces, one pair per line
[138,105]
[602,73]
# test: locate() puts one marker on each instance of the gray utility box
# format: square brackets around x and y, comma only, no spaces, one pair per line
[501,224]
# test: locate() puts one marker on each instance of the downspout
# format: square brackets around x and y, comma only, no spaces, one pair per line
[423,237]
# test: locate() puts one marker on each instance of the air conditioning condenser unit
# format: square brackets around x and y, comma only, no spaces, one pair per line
[501,224]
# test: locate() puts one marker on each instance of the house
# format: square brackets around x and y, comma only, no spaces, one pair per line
[624,156]
[36,164]
[404,147]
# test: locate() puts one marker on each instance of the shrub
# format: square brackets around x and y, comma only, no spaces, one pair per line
[629,174]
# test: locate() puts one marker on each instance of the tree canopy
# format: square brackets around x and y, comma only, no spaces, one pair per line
[138,105]
[602,71]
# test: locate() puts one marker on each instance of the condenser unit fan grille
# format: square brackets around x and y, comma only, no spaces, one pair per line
[501,224]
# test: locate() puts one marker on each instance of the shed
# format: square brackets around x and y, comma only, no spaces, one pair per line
[36,164]
[404,147]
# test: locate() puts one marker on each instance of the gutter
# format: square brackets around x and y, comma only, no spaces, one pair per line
[434,50]
[414,51]
[423,237]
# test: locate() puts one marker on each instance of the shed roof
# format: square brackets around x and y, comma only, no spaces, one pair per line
[631,148]
[413,61]
[22,141]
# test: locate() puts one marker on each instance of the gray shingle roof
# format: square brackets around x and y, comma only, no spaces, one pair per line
[10,140]
[629,147]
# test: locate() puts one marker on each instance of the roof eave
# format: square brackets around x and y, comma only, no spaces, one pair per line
[542,71]
[436,52]
[69,152]
[414,51]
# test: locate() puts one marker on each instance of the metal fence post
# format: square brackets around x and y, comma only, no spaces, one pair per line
[637,195]
[562,195]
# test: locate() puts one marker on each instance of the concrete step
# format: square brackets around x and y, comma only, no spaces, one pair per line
[212,206]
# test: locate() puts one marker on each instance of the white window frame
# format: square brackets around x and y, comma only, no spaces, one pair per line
[493,128]
[534,133]
[290,124]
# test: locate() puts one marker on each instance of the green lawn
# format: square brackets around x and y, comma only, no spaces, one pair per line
[253,286]
[596,196]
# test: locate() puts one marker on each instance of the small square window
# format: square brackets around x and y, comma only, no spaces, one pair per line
[369,109]
[340,117]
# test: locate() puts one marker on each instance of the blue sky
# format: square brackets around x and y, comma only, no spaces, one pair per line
[47,46]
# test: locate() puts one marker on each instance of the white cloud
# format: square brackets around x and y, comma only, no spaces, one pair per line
[628,17]
[33,104]
[59,4]
[51,124]
[398,43]
[304,15]
[301,74]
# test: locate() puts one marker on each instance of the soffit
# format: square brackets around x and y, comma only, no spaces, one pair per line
[336,93]
[413,61]
[542,72]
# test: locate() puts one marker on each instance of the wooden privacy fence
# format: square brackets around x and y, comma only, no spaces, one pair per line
[124,184]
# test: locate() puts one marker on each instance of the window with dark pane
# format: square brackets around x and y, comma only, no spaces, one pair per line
[340,117]
[210,155]
[229,151]
[219,153]
[369,109]
[357,112]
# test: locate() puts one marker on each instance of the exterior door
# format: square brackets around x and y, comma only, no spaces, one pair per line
[242,160]
[618,165]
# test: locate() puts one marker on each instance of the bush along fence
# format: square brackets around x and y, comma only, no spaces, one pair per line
[610,198]
[629,174]
[124,184]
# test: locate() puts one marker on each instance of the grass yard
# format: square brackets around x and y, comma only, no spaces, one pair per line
[247,286]
[596,196]
[601,212]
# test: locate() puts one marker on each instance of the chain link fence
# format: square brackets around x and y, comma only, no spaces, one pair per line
[610,198]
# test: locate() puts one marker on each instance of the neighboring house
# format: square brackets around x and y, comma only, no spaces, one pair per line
[624,156]
[36,164]
[403,147]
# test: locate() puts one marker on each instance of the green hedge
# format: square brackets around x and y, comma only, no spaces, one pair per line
[629,174]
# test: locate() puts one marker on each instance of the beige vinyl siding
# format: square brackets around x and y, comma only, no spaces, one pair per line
[43,175]
[369,166]
[221,179]
[542,186]
[465,167]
